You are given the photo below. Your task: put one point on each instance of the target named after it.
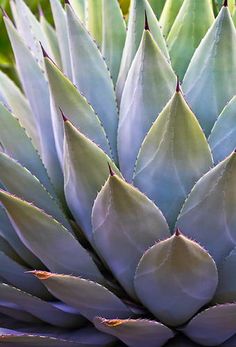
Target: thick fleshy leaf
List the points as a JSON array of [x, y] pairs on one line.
[[15, 178], [36, 90], [169, 279], [8, 233], [125, 224], [208, 215], [194, 19], [79, 6], [13, 312], [114, 33], [14, 338], [169, 14], [212, 326], [43, 310], [29, 29], [157, 6], [48, 239], [226, 290], [223, 136], [134, 36], [18, 104], [59, 17], [210, 80], [85, 171], [91, 76], [173, 156], [15, 274], [51, 38], [94, 19], [136, 333], [90, 298], [17, 145], [67, 98], [150, 84]]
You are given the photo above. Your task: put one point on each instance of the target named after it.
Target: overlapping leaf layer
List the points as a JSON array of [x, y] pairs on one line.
[[118, 178]]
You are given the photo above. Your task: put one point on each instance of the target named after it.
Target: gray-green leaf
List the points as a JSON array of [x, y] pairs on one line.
[[125, 224], [170, 276]]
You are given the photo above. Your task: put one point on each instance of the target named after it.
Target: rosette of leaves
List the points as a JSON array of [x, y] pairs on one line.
[[118, 182]]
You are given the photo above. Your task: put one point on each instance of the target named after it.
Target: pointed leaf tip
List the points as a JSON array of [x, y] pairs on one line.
[[65, 119], [225, 3], [177, 85], [146, 25], [4, 13], [44, 52], [67, 2], [177, 232], [112, 173]]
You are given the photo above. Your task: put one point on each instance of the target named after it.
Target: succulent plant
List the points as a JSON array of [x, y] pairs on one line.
[[118, 179]]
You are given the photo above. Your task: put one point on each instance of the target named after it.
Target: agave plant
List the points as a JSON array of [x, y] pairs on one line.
[[118, 180]]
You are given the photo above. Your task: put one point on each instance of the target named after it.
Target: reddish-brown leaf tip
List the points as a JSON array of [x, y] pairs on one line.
[[4, 12], [44, 52], [112, 173], [67, 2], [177, 85], [65, 119], [146, 26], [225, 3], [177, 232]]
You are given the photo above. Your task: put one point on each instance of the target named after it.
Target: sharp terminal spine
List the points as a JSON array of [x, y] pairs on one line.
[[110, 170], [146, 26]]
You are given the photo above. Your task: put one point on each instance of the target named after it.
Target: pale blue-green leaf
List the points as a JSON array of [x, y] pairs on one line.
[[190, 26], [208, 215], [15, 274], [87, 336], [149, 86], [212, 326], [48, 239], [94, 19], [8, 233], [85, 172], [15, 178], [92, 78], [8, 250], [51, 38], [114, 33], [226, 290], [79, 6], [29, 29], [16, 339], [168, 15], [210, 80], [90, 298], [125, 224], [19, 105], [66, 98], [222, 139], [173, 156], [15, 143], [59, 17], [133, 38], [45, 311], [13, 312], [170, 276], [37, 92], [135, 333]]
